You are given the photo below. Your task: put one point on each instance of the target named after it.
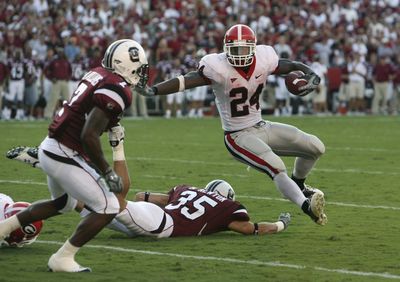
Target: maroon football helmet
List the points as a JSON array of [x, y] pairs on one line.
[[24, 235], [240, 45]]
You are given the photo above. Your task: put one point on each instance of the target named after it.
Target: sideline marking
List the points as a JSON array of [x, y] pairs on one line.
[[231, 260]]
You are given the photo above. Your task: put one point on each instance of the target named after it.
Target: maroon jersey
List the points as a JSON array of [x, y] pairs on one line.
[[17, 69], [59, 69], [98, 88], [197, 212]]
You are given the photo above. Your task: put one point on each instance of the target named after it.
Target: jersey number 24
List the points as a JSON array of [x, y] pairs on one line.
[[239, 106]]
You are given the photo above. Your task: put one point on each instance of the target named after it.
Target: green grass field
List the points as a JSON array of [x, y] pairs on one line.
[[359, 174]]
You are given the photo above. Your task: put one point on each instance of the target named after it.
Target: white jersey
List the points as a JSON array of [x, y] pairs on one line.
[[5, 201], [237, 93]]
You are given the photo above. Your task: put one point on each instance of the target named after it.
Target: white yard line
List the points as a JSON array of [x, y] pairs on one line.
[[235, 163], [234, 261], [195, 144], [328, 203], [27, 182]]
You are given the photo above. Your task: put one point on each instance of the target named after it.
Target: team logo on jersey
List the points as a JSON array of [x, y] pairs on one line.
[[110, 106], [257, 76], [233, 80], [134, 54]]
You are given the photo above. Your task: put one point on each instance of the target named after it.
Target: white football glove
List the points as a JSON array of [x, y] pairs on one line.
[[313, 82], [285, 218], [114, 181], [116, 135]]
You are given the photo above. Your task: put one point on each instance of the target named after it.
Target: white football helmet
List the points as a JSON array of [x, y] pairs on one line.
[[127, 58], [240, 45], [26, 234], [221, 187]]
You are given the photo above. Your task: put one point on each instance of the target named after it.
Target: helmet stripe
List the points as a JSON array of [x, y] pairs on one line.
[[212, 187], [240, 32], [110, 54]]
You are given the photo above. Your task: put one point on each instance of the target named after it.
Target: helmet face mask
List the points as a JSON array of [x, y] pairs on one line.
[[127, 58], [240, 45]]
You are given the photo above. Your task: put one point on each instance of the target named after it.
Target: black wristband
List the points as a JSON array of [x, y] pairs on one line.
[[146, 196], [155, 89], [255, 232]]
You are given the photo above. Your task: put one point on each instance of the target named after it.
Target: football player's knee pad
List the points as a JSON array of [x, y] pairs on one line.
[[318, 148], [65, 203]]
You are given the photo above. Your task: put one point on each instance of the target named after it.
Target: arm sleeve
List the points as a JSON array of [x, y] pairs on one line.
[[267, 56], [240, 214]]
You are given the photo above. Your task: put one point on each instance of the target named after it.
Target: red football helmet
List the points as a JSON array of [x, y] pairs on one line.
[[24, 235], [240, 45]]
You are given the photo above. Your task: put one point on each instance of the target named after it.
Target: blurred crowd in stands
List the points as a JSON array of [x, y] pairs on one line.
[[354, 45]]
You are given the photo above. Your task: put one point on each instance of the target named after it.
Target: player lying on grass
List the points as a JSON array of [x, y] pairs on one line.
[[24, 235], [184, 211]]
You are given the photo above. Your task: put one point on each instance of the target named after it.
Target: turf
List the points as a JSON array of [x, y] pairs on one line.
[[359, 174]]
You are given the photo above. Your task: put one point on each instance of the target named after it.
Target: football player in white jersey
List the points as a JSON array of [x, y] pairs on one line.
[[237, 77]]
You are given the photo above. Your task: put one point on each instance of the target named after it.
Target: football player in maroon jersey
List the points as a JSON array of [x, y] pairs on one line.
[[72, 157], [191, 211], [184, 211], [16, 86]]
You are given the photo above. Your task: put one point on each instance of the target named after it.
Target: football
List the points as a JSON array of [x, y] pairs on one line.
[[294, 81]]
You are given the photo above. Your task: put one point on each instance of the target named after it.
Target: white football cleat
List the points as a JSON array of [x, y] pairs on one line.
[[28, 155], [65, 264], [308, 191], [317, 205], [116, 135]]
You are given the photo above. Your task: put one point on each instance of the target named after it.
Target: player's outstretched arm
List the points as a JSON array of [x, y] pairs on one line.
[[261, 228], [177, 84], [156, 198]]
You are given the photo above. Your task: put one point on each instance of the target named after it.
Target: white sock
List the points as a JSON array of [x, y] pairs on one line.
[[6, 113], [67, 250], [84, 212], [20, 114], [289, 188], [302, 167], [9, 225]]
